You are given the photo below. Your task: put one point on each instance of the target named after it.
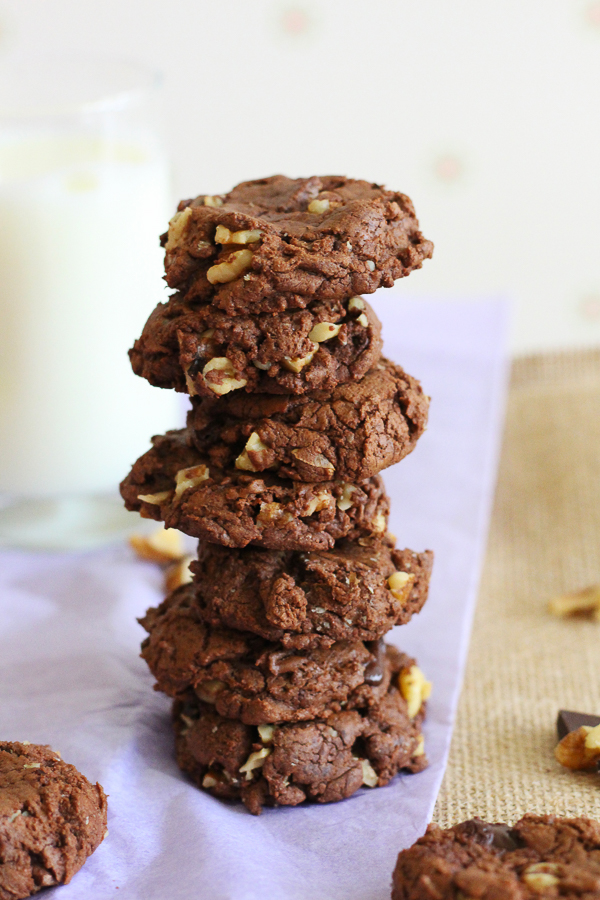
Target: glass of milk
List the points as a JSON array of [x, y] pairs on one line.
[[84, 195]]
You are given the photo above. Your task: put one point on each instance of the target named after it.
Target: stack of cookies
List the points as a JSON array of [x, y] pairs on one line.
[[283, 688]]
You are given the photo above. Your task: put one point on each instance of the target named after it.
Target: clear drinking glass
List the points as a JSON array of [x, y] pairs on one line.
[[84, 195]]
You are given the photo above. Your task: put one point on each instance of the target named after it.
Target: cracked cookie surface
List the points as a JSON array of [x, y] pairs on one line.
[[202, 351], [51, 819], [538, 856], [353, 592], [323, 760], [174, 483], [251, 679], [280, 243], [351, 433]]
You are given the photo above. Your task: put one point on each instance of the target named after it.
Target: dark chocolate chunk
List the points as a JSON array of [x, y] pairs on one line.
[[497, 836], [568, 721]]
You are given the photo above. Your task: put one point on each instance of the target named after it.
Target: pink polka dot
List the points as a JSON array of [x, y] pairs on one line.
[[295, 21], [592, 14], [589, 307], [448, 167]]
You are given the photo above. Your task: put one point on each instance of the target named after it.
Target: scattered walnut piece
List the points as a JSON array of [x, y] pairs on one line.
[[400, 585], [155, 499], [541, 876], [370, 776], [315, 461], [189, 478], [225, 380], [344, 501], [580, 749], [207, 691], [379, 523], [272, 512], [415, 689], [324, 331], [356, 303], [577, 603], [256, 760], [213, 201], [179, 573], [253, 445], [225, 236], [298, 363], [318, 207], [266, 733], [162, 546], [231, 267], [177, 226], [320, 501]]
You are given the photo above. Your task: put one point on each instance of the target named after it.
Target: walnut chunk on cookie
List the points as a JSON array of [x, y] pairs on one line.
[[280, 243]]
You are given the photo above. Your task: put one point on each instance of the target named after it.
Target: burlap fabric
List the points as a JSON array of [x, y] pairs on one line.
[[523, 664]]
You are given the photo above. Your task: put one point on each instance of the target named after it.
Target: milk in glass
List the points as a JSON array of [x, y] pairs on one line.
[[80, 271]]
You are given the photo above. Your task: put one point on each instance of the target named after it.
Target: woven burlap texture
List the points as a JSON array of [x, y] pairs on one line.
[[523, 664]]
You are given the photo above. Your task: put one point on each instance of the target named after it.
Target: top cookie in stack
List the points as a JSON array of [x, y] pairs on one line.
[[293, 415]]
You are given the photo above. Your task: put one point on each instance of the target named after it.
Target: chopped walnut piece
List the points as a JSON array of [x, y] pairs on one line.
[[541, 876], [324, 331], [162, 546], [225, 236], [177, 226], [400, 585], [318, 207], [370, 776], [210, 780], [580, 749], [583, 602], [362, 320], [225, 380], [344, 501], [155, 499], [179, 573], [356, 303], [256, 760], [266, 733], [213, 201], [190, 477], [253, 445], [415, 689], [272, 512], [208, 690], [298, 363], [379, 523], [230, 268], [315, 461], [320, 501]]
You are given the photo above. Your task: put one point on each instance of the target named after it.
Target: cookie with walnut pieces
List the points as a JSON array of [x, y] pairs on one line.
[[538, 856], [323, 760], [357, 591], [281, 243], [174, 483], [201, 350], [51, 819], [351, 433]]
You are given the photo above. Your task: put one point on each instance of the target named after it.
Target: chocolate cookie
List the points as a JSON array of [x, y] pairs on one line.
[[350, 434], [249, 678], [324, 760], [203, 351], [279, 243], [539, 855], [51, 819], [353, 592], [172, 482]]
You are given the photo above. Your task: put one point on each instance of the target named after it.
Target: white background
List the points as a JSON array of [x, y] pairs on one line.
[[486, 113]]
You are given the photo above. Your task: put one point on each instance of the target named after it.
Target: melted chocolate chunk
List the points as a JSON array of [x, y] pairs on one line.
[[497, 836], [374, 669], [568, 721]]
